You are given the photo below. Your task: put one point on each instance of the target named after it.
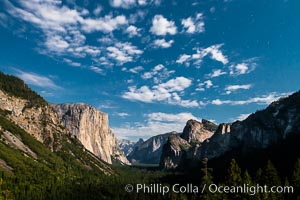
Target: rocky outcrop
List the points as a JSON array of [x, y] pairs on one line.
[[173, 152], [197, 132], [149, 152], [90, 126], [177, 147], [127, 146], [41, 122], [10, 139]]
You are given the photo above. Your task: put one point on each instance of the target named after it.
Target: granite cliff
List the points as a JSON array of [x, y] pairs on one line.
[[90, 126], [177, 146]]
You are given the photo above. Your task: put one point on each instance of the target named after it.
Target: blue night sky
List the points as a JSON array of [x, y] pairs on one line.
[[154, 64]]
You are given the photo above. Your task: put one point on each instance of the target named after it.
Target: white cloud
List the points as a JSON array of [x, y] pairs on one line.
[[126, 4], [189, 25], [123, 52], [167, 117], [106, 40], [239, 69], [97, 70], [45, 14], [183, 58], [136, 70], [158, 68], [145, 131], [143, 94], [72, 63], [132, 31], [83, 51], [156, 123], [161, 26], [216, 53], [130, 81], [245, 67], [230, 88], [159, 73], [142, 2], [146, 2], [62, 29], [37, 80], [242, 117], [108, 104], [105, 24], [206, 84], [123, 114], [97, 10], [265, 99], [56, 43], [219, 102], [177, 84], [122, 3], [163, 43], [193, 25], [213, 51], [165, 92], [148, 75], [47, 94], [104, 61], [216, 73]]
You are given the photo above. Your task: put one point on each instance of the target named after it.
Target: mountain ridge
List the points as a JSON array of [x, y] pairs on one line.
[[25, 114], [258, 131], [150, 150]]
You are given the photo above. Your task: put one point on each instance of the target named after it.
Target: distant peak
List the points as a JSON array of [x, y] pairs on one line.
[[140, 140]]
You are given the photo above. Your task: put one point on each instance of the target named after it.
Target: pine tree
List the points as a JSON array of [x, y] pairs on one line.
[[234, 178], [247, 180], [296, 179], [234, 174], [270, 178], [270, 175], [207, 179]]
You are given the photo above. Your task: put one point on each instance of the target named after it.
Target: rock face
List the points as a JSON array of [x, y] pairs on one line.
[[195, 131], [258, 131], [149, 152], [90, 126], [173, 152], [177, 147], [127, 146], [41, 122]]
